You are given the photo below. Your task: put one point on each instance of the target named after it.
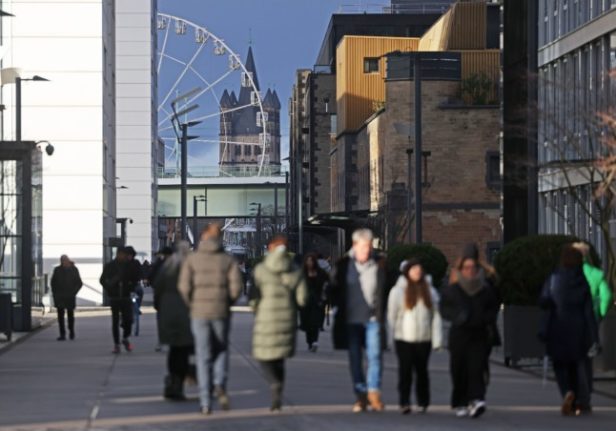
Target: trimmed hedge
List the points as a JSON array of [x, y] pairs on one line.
[[524, 264], [431, 258]]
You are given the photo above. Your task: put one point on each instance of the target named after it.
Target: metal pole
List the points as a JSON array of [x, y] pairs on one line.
[[18, 109], [275, 208], [123, 231], [418, 152], [195, 241], [259, 246], [300, 206], [184, 174], [409, 192], [286, 198]]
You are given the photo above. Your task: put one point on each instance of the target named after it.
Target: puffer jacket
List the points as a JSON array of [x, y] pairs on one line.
[[279, 289], [210, 281], [418, 325]]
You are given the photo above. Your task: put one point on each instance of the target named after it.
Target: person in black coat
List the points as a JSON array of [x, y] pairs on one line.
[[119, 280], [570, 330], [312, 315], [65, 284], [471, 304]]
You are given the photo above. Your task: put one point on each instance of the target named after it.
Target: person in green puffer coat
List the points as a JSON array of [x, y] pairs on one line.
[[278, 290], [599, 288]]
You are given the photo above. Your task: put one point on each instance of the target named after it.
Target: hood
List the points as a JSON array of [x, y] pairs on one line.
[[210, 246], [278, 261]]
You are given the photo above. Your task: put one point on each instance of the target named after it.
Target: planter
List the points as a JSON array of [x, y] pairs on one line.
[[607, 360], [520, 327]]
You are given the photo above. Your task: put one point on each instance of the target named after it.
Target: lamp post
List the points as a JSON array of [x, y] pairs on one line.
[[200, 198], [18, 81], [258, 226]]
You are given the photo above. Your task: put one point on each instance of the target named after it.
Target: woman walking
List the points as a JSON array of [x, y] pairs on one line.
[[312, 315], [279, 289], [174, 323], [471, 304], [416, 326], [570, 331]]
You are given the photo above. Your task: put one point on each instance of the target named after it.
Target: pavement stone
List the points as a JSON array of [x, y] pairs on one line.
[[47, 385]]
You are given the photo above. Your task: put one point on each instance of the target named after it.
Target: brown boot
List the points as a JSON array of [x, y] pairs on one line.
[[361, 404], [374, 398]]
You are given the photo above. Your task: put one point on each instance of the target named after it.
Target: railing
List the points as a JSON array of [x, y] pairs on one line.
[[231, 171], [420, 8]]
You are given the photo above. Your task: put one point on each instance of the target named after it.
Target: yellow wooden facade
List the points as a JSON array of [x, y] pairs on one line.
[[463, 29]]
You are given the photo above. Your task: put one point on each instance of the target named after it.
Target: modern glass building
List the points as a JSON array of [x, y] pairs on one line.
[[576, 84]]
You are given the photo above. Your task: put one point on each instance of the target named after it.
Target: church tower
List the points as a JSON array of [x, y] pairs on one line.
[[241, 125]]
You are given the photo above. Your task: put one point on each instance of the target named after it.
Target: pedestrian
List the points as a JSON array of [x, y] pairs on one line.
[[174, 323], [416, 326], [119, 281], [279, 289], [137, 295], [358, 295], [471, 304], [570, 331], [210, 281], [65, 284], [312, 315], [146, 267], [161, 256]]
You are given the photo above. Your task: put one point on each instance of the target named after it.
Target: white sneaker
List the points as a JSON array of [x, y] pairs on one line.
[[477, 408], [314, 347], [461, 412]]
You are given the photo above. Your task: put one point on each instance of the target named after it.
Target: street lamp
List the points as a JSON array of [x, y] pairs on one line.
[[183, 138], [18, 81], [258, 226], [200, 198], [122, 222]]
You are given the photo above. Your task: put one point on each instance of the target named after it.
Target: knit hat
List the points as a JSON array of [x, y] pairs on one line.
[[408, 264]]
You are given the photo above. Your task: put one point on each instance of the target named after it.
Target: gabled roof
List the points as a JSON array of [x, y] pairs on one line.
[[225, 100], [267, 100], [251, 68]]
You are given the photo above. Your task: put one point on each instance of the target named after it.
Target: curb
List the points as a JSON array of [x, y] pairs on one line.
[[5, 347]]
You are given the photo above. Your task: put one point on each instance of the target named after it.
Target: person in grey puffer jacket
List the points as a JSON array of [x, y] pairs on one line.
[[210, 281], [416, 326], [279, 289]]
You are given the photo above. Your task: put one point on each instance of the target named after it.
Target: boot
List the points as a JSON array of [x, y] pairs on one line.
[[361, 404], [174, 388], [276, 398], [374, 398]]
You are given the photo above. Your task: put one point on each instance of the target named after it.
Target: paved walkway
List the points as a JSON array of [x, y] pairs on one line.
[[47, 385]]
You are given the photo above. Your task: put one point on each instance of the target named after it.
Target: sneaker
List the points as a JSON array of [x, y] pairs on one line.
[[423, 409], [461, 412], [127, 345], [61, 338], [116, 349], [314, 348], [405, 410], [361, 405], [206, 411], [477, 408], [223, 398], [567, 409], [583, 410]]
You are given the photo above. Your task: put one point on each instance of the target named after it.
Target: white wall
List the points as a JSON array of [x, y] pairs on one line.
[[66, 42], [137, 121]]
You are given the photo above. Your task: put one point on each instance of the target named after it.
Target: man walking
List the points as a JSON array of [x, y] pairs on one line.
[[119, 280], [358, 295], [210, 281], [65, 284]]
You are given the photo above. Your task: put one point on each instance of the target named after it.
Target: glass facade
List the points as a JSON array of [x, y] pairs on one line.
[[11, 228]]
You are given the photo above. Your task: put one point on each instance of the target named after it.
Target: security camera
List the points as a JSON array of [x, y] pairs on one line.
[[49, 149]]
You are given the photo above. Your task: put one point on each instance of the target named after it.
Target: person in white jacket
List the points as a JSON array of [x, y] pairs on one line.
[[416, 327]]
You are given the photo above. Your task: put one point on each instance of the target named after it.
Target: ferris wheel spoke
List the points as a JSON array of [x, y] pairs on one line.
[[177, 81], [160, 58]]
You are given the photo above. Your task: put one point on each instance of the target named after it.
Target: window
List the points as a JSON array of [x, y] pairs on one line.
[[493, 170], [238, 150], [246, 79], [371, 65], [248, 150], [257, 150]]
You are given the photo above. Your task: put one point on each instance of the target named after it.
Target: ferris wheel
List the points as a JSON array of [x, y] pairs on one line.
[[194, 68]]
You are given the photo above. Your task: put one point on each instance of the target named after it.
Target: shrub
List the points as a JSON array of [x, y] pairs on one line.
[[431, 258], [524, 264]]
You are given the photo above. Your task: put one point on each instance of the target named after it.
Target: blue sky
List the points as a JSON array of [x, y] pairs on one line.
[[286, 35]]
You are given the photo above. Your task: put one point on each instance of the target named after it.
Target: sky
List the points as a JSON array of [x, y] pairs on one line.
[[286, 35]]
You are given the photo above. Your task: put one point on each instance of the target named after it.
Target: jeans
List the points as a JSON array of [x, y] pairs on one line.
[[211, 348], [413, 359], [123, 307], [368, 335], [71, 320]]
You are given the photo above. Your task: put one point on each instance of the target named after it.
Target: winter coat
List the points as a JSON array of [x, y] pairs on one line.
[[570, 328], [471, 314], [312, 315], [119, 279], [173, 314], [65, 284], [599, 289], [418, 325], [279, 289], [338, 299], [210, 281]]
